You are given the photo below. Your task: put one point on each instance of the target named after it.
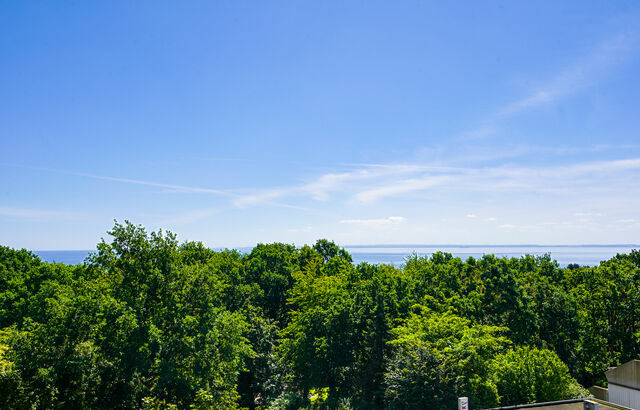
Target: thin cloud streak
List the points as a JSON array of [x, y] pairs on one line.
[[583, 74], [369, 184], [372, 183], [580, 75], [401, 187], [174, 188], [321, 188], [239, 200], [36, 213], [170, 187], [375, 182], [376, 222]]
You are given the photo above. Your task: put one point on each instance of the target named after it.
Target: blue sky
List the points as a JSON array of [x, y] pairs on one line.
[[369, 122]]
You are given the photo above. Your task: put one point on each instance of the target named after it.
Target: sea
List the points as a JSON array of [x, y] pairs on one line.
[[586, 255]]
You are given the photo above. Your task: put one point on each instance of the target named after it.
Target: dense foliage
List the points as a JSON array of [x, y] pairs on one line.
[[147, 322]]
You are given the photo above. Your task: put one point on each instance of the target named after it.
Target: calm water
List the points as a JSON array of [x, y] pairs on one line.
[[68, 257], [395, 255], [582, 255]]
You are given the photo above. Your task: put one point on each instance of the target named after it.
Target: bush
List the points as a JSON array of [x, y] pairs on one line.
[[526, 375]]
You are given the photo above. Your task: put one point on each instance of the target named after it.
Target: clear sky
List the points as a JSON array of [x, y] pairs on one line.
[[365, 122]]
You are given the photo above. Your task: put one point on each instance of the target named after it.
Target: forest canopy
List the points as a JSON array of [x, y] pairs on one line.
[[149, 322]]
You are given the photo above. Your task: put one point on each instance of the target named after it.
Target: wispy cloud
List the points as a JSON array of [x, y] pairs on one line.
[[481, 154], [321, 187], [175, 188], [628, 221], [367, 184], [168, 187], [604, 58], [578, 76], [298, 230], [371, 183], [261, 197], [326, 185], [523, 227], [400, 187], [239, 200], [375, 223], [586, 214], [36, 213]]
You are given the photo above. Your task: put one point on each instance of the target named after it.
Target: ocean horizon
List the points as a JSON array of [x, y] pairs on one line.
[[589, 255]]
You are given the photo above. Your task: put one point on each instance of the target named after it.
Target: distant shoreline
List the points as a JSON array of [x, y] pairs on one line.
[[564, 255], [413, 245], [615, 245]]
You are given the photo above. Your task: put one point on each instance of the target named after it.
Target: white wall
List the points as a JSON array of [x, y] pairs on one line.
[[624, 396]]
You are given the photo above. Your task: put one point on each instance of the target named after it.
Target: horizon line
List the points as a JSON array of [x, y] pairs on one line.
[[622, 245]]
